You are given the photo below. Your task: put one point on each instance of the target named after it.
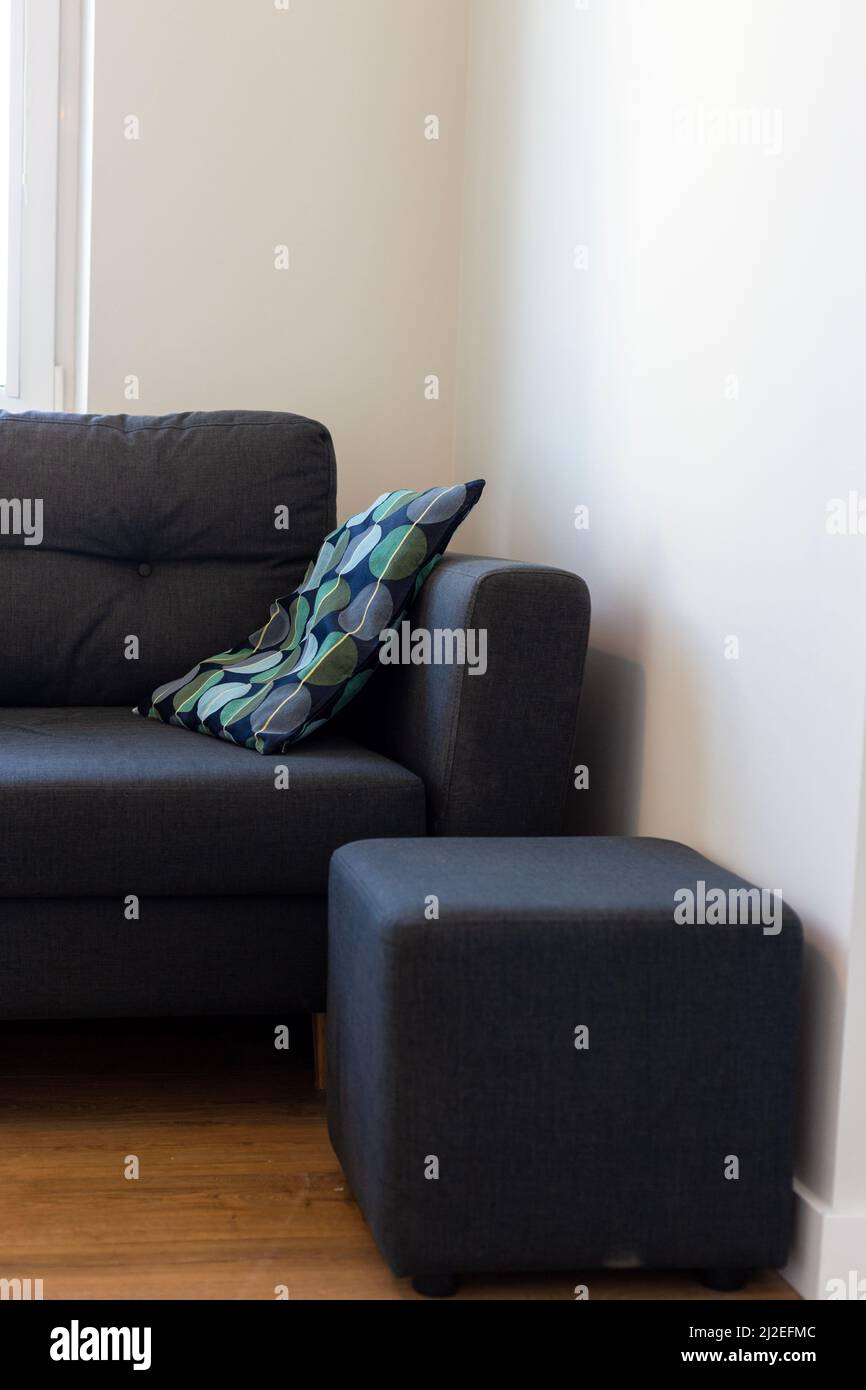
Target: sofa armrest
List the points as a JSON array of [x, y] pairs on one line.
[[493, 749]]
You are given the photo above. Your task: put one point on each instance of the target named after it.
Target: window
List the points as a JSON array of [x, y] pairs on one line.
[[6, 46], [31, 218]]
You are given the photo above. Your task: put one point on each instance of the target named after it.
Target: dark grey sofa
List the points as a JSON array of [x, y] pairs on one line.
[[159, 547]]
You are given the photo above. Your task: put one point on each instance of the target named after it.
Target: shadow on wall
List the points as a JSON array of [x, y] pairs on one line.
[[610, 733], [822, 1026]]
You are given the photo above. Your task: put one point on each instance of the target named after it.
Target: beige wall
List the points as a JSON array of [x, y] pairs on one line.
[[694, 378], [304, 127]]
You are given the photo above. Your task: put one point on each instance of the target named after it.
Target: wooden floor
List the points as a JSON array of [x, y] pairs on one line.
[[239, 1190]]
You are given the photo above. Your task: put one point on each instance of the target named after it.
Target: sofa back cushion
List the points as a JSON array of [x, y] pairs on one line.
[[130, 544]]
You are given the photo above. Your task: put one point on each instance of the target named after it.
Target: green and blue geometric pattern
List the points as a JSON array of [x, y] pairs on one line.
[[320, 645]]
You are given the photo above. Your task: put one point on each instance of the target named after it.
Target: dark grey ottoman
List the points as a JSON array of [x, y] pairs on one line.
[[535, 1062]]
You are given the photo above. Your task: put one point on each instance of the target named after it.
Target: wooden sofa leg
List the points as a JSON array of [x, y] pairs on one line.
[[320, 1051]]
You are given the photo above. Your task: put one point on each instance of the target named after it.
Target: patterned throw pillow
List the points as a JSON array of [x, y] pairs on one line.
[[321, 644]]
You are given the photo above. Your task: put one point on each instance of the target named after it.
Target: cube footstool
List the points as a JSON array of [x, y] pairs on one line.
[[561, 1054]]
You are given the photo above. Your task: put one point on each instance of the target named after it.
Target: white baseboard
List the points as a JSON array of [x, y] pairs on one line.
[[828, 1254]]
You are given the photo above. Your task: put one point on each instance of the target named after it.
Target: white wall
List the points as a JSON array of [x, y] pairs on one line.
[[305, 127], [699, 387]]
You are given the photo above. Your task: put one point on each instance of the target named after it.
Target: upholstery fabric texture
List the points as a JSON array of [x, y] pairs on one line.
[[320, 645], [80, 957], [455, 1038], [95, 802], [164, 530], [481, 744]]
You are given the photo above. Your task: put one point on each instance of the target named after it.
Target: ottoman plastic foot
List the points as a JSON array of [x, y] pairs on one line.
[[724, 1280], [436, 1285]]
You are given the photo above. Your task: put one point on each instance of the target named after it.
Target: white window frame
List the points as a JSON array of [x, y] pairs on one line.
[[45, 162], [15, 204]]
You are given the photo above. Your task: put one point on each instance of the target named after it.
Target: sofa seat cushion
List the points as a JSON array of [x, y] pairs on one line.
[[97, 802]]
